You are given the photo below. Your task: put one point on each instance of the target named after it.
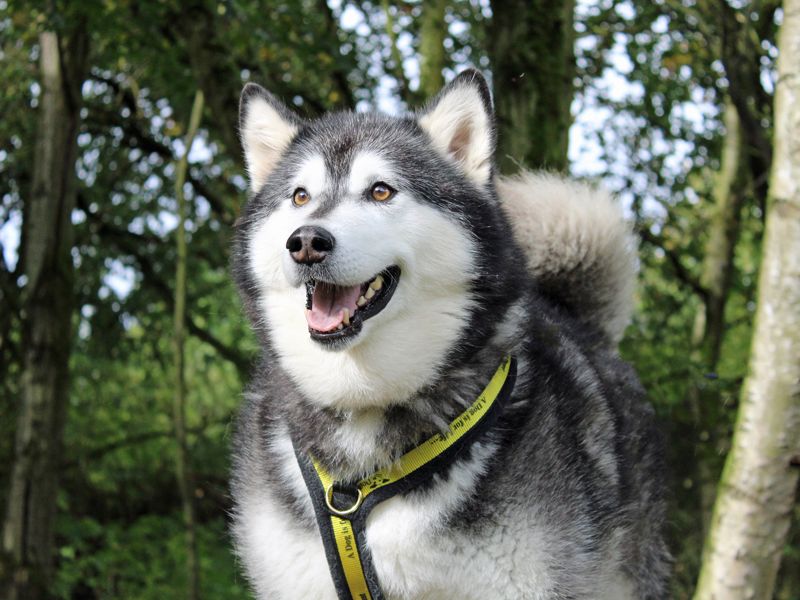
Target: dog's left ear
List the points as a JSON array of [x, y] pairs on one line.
[[266, 127], [460, 122]]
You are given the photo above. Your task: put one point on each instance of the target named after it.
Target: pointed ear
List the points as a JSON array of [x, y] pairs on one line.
[[266, 127], [460, 122]]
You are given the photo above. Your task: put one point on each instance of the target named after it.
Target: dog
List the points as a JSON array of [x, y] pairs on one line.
[[387, 272]]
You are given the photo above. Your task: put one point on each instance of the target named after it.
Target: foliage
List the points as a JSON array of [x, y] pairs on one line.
[[143, 559], [652, 78]]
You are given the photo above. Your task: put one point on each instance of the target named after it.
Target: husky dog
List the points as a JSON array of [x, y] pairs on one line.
[[387, 272]]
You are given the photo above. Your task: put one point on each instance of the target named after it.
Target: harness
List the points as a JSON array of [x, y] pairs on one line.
[[342, 508]]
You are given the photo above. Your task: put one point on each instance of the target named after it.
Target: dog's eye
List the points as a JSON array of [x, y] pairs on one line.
[[381, 192], [300, 197]]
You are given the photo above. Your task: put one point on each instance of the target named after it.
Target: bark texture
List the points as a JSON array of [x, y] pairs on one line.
[[47, 308], [431, 47], [213, 67], [533, 65], [757, 491], [739, 53], [395, 65], [729, 196], [183, 469], [715, 280]]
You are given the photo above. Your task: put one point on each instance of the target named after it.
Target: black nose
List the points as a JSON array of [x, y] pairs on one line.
[[309, 245]]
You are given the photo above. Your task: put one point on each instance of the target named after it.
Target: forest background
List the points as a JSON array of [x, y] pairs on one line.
[[121, 373]]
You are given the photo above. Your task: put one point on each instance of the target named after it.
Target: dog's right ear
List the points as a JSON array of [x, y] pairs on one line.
[[266, 127], [460, 123]]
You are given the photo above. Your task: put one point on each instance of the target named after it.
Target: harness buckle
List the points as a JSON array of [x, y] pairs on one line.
[[343, 512]]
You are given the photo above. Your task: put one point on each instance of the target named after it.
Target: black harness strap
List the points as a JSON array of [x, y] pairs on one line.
[[343, 531]]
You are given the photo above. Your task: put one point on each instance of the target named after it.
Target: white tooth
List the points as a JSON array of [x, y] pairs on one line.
[[377, 283], [361, 301], [340, 327], [370, 293], [346, 319]]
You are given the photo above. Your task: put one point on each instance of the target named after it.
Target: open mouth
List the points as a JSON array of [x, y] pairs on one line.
[[335, 311]]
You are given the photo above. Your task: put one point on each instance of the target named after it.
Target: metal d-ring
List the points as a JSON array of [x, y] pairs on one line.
[[347, 511]]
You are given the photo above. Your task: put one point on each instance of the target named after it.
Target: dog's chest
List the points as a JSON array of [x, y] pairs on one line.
[[418, 554], [418, 550], [415, 555]]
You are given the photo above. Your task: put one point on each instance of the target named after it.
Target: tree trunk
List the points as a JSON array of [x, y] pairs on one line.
[[533, 65], [788, 585], [729, 196], [739, 54], [214, 68], [395, 67], [183, 470], [431, 47], [47, 308], [756, 493], [715, 278]]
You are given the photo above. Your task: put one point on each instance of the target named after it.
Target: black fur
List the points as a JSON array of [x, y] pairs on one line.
[[578, 440]]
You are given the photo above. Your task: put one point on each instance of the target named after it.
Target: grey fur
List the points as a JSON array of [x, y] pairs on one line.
[[575, 452], [579, 248]]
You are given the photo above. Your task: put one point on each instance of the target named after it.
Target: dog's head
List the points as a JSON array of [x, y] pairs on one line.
[[372, 248]]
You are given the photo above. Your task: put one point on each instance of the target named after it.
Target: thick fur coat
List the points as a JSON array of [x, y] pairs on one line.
[[563, 498]]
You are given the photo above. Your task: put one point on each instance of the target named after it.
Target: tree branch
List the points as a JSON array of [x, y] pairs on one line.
[[124, 94], [130, 244], [680, 270], [9, 295], [136, 137], [738, 53], [135, 439], [691, 16]]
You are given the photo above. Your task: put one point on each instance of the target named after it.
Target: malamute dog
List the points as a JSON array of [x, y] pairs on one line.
[[439, 410]]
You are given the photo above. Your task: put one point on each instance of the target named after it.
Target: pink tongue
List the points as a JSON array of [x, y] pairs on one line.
[[328, 304]]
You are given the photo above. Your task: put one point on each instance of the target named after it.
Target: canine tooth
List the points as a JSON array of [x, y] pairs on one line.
[[370, 293], [377, 283], [340, 327], [346, 319], [361, 301]]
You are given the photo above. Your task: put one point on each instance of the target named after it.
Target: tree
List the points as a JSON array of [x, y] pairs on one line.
[[728, 194], [533, 65], [756, 493], [144, 68], [183, 466], [431, 47], [47, 308], [667, 148]]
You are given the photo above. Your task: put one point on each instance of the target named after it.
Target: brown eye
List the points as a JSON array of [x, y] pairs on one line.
[[381, 192], [300, 197]]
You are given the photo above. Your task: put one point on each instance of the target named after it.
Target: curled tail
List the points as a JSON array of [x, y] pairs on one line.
[[578, 245]]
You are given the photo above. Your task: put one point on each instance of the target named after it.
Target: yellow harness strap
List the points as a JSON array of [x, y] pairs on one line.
[[344, 523], [348, 555]]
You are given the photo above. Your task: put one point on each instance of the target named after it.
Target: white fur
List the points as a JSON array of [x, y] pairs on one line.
[[416, 556], [401, 348], [358, 436], [569, 227], [460, 129], [265, 135], [367, 169], [269, 259], [269, 544], [313, 176]]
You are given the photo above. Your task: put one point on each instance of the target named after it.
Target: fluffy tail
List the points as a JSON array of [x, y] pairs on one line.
[[578, 245]]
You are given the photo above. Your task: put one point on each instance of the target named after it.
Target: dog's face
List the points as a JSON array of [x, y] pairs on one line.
[[358, 250]]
